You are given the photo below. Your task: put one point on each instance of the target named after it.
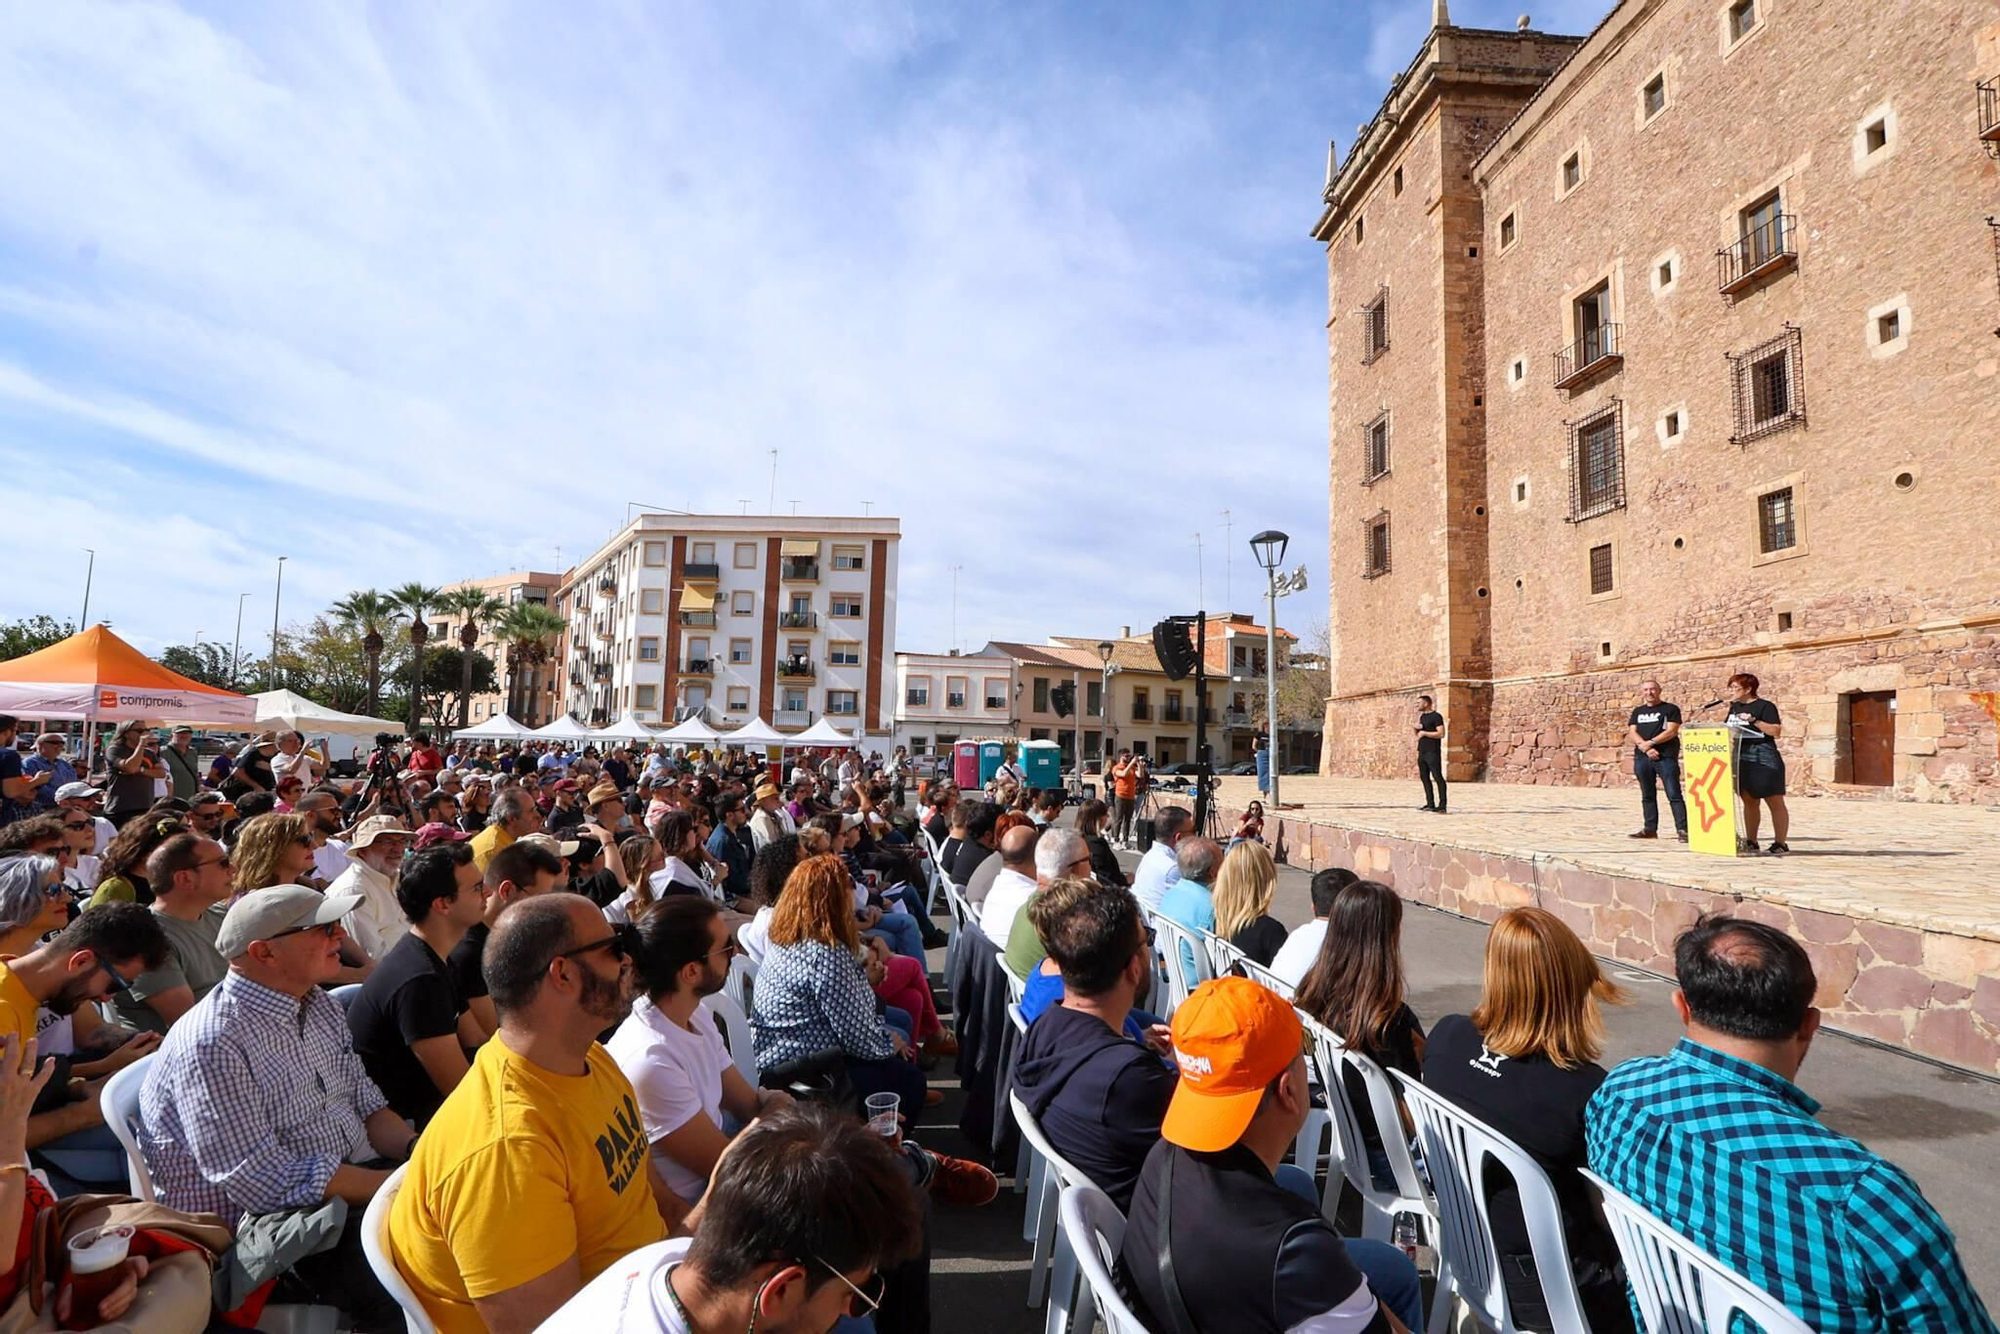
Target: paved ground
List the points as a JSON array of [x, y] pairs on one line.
[[1941, 1125]]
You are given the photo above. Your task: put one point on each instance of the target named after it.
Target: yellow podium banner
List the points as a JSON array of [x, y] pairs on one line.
[[1708, 780]]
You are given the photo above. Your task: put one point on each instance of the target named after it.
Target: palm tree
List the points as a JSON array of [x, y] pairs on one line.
[[477, 609], [371, 612], [531, 631], [416, 601]]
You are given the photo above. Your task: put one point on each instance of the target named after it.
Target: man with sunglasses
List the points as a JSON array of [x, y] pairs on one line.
[[190, 876], [256, 1104], [544, 1128]]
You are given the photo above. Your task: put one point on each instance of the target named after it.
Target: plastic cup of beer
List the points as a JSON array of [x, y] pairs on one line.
[[96, 1267], [882, 1110]]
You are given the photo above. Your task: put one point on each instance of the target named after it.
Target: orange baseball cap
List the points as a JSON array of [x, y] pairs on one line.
[[1232, 1037]]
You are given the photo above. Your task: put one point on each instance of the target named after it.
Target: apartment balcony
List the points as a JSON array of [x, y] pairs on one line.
[[1172, 716], [607, 585], [599, 717], [1764, 250], [797, 668], [1598, 352], [603, 627], [698, 667], [1142, 713], [796, 620], [798, 570], [700, 571], [683, 712], [700, 619], [792, 718], [1235, 718], [600, 673], [1989, 113]]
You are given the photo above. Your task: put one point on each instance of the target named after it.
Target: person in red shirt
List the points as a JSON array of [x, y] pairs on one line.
[[425, 758]]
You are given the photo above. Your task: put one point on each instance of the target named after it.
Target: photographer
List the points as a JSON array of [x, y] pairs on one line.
[[253, 769], [135, 769]]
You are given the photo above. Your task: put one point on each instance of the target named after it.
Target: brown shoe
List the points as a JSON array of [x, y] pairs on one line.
[[1645, 833], [932, 1097], [960, 1181], [944, 1044]]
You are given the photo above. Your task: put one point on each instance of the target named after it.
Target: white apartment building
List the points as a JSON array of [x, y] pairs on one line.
[[942, 698], [735, 617], [526, 691]]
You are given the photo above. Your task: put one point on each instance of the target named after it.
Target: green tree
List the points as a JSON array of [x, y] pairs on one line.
[[32, 634], [328, 661], [370, 614], [531, 632], [416, 601], [205, 661], [476, 609], [447, 672]]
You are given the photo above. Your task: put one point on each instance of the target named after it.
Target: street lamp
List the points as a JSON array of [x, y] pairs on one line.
[[1105, 648], [236, 649], [276, 598], [88, 571], [1269, 547]]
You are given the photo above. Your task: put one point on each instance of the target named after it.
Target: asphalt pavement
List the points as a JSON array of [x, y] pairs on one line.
[[1939, 1124]]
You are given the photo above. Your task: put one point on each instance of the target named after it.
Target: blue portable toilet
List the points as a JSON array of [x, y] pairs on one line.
[[1041, 764], [991, 755]]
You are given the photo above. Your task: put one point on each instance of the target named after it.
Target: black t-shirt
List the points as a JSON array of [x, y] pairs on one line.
[[618, 772], [1650, 720], [252, 770], [560, 821], [1756, 747], [966, 860], [1397, 1051], [408, 998], [133, 791], [1098, 1096], [10, 767], [1261, 939], [468, 975], [1430, 746], [1249, 1256]]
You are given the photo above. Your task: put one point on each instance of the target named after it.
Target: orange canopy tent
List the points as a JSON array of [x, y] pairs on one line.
[[96, 676]]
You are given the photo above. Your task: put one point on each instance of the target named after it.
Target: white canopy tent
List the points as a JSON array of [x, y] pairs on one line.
[[693, 731], [756, 732], [821, 733], [500, 727], [627, 728], [284, 708], [564, 728]]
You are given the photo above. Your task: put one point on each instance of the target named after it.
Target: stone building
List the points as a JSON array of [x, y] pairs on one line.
[[1670, 352]]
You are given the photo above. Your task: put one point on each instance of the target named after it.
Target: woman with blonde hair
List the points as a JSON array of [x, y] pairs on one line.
[[1243, 902], [273, 849], [640, 855], [1525, 1062]]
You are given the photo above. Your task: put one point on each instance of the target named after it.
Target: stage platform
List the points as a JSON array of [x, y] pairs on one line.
[[1898, 902]]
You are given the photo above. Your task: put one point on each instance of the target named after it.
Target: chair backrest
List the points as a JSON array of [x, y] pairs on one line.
[[1032, 1130], [1017, 985], [1681, 1288], [346, 994], [120, 1104], [381, 1260], [742, 972], [1264, 977], [735, 1032], [1334, 1060], [1187, 958], [1223, 956], [1096, 1231], [1457, 1147]]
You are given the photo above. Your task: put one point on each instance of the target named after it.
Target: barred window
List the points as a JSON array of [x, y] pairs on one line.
[[1375, 327], [1596, 464], [1375, 449], [1769, 388], [1777, 521], [1375, 546], [1600, 569]]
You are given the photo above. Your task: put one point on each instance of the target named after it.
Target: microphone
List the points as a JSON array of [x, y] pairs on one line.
[[1712, 704]]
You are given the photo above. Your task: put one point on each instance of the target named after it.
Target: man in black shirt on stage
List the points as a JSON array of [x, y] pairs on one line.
[[1430, 753], [1654, 730]]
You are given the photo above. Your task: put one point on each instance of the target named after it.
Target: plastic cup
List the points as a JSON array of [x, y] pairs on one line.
[[882, 1109], [96, 1260]]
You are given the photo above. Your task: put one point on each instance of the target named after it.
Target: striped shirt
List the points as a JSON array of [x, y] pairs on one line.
[[255, 1098], [1728, 1154]]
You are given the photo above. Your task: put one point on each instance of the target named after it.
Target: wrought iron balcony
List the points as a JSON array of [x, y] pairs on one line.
[[698, 667], [604, 627], [797, 667], [600, 672], [792, 718], [607, 585], [703, 619], [797, 620], [1142, 713], [1989, 113], [1235, 718], [1170, 714], [798, 569], [1763, 250], [1598, 351], [599, 717], [701, 570]]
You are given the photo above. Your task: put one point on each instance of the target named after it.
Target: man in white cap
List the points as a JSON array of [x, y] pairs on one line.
[[376, 921], [256, 1103]]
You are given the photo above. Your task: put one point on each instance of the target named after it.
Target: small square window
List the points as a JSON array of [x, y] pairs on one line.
[[1520, 493], [1666, 273], [746, 555], [1519, 370], [742, 603], [1742, 19], [1600, 569], [1360, 230], [1777, 522], [1572, 171], [1889, 327], [1656, 95], [1398, 186], [1673, 425], [1784, 621], [1876, 137], [651, 601], [1507, 231]]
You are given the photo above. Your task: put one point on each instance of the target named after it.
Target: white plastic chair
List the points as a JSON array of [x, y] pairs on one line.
[[1223, 956], [120, 1103], [1024, 1156], [1681, 1288], [1457, 1147], [1052, 1174], [346, 994], [1379, 1205], [1095, 1231], [1267, 979], [1181, 947], [742, 973], [375, 1245], [736, 1033]]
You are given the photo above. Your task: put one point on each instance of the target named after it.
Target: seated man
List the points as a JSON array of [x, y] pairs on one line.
[[409, 1023], [975, 842], [670, 1049], [1301, 947], [806, 1214], [377, 922], [518, 871], [1058, 853], [534, 1176], [1718, 1141], [1098, 1095], [1190, 901], [1277, 1264], [1012, 886], [190, 877], [257, 1104], [1160, 867]]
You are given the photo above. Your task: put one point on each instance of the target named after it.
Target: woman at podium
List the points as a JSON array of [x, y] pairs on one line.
[[1760, 769]]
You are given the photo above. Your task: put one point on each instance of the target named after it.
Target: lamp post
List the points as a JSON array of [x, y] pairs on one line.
[[1105, 648], [1270, 548], [88, 570], [236, 648], [276, 598]]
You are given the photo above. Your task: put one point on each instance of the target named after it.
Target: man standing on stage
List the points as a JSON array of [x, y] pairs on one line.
[[1654, 730], [1430, 752]]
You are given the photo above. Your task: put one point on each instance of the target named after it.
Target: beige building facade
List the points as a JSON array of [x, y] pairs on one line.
[[1704, 380], [531, 690]]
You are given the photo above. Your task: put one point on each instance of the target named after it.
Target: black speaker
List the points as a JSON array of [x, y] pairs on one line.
[[1175, 648], [1145, 831]]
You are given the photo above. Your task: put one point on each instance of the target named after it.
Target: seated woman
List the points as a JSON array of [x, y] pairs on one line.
[[1243, 902], [122, 869], [1091, 818], [812, 996], [1251, 826], [894, 927], [1539, 1010]]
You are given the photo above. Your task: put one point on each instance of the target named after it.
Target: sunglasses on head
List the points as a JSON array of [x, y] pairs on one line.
[[622, 943]]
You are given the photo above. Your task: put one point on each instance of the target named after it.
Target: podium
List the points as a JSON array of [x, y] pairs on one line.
[[1708, 785]]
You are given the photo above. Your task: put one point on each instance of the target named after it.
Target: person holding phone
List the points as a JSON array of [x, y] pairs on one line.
[[135, 770]]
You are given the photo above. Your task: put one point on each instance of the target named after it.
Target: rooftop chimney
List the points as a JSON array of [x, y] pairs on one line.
[[1125, 632], [1440, 14]]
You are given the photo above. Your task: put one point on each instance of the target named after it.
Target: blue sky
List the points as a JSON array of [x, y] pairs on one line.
[[431, 291]]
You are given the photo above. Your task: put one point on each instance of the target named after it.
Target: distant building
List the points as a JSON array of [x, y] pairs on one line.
[[945, 698], [529, 690], [735, 617]]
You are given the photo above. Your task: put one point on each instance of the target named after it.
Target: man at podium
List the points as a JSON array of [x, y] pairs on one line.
[[1654, 731]]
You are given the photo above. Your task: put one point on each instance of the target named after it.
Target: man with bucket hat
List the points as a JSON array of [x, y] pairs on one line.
[[1215, 1239]]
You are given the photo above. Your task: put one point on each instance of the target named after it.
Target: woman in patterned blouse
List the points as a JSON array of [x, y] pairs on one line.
[[812, 995]]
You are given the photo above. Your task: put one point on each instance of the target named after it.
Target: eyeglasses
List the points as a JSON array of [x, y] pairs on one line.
[[304, 840], [55, 889], [222, 861], [622, 943], [78, 824], [119, 985], [327, 929], [869, 1305]]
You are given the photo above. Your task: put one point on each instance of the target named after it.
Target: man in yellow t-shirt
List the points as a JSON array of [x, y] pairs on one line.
[[511, 816], [534, 1176]]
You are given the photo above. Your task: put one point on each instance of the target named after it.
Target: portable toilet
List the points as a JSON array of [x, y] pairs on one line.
[[991, 755], [1041, 764], [965, 764]]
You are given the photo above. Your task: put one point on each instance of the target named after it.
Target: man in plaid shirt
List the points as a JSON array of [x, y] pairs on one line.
[[1717, 1140]]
